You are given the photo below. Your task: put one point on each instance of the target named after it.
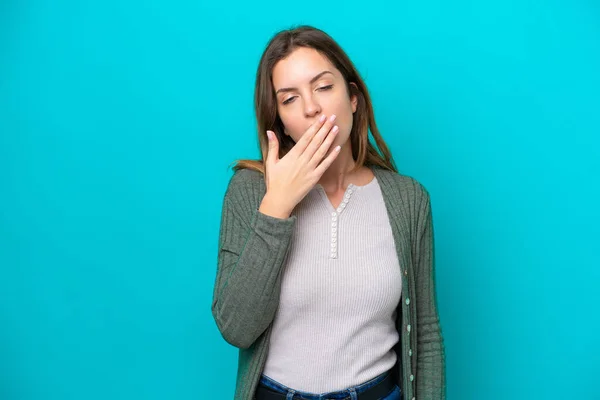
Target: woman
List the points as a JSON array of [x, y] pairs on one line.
[[326, 253]]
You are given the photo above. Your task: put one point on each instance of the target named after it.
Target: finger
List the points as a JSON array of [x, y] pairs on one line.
[[324, 147], [312, 130], [320, 170], [273, 151], [317, 139]]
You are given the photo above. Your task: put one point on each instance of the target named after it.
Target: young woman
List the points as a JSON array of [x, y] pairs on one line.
[[325, 278]]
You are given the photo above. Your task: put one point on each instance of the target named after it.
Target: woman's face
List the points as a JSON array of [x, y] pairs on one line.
[[307, 85]]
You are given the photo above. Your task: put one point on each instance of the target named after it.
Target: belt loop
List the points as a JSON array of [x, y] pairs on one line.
[[353, 395], [290, 394]]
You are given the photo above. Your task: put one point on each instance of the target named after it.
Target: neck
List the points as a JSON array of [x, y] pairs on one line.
[[337, 176]]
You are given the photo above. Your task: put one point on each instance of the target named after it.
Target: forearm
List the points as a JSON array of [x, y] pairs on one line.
[[431, 382], [247, 290]]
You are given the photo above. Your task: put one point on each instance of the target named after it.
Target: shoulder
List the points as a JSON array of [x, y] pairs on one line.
[[245, 176], [245, 184], [406, 187], [406, 197]]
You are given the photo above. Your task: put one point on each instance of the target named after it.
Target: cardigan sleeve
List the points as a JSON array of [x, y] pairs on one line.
[[430, 383], [252, 249]]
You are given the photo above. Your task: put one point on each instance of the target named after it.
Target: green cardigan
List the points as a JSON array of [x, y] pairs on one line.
[[253, 248]]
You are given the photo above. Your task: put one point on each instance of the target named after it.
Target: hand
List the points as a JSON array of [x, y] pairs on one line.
[[289, 179]]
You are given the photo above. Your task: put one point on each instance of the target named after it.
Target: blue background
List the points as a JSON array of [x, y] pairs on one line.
[[118, 120]]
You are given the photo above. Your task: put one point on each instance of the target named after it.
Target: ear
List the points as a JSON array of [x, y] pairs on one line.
[[353, 97]]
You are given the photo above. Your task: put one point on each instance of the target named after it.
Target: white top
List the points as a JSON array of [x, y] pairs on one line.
[[341, 284]]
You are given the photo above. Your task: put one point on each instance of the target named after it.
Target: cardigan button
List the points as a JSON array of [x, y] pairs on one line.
[[407, 301], [408, 328], [412, 378], [410, 352]]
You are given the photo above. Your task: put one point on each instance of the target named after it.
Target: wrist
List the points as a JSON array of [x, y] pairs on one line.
[[272, 207]]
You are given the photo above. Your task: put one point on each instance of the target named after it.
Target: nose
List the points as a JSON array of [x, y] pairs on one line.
[[311, 107]]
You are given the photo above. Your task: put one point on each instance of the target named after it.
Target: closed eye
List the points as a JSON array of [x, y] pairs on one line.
[[323, 88]]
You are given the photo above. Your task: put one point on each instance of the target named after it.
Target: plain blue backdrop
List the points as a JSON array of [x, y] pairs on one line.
[[118, 120]]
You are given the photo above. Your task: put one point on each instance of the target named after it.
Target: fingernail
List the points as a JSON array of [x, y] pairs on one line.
[[322, 118], [270, 135], [332, 118]]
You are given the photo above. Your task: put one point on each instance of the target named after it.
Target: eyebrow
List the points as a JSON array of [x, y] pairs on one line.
[[313, 80]]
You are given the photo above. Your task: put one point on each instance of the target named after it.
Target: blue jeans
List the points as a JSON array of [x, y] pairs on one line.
[[351, 392]]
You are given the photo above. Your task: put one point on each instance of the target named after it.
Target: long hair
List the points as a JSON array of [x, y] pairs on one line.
[[265, 101]]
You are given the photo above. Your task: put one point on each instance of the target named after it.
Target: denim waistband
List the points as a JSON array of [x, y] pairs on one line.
[[340, 394]]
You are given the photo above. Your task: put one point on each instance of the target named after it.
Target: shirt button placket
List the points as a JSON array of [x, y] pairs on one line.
[[334, 217], [334, 223]]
